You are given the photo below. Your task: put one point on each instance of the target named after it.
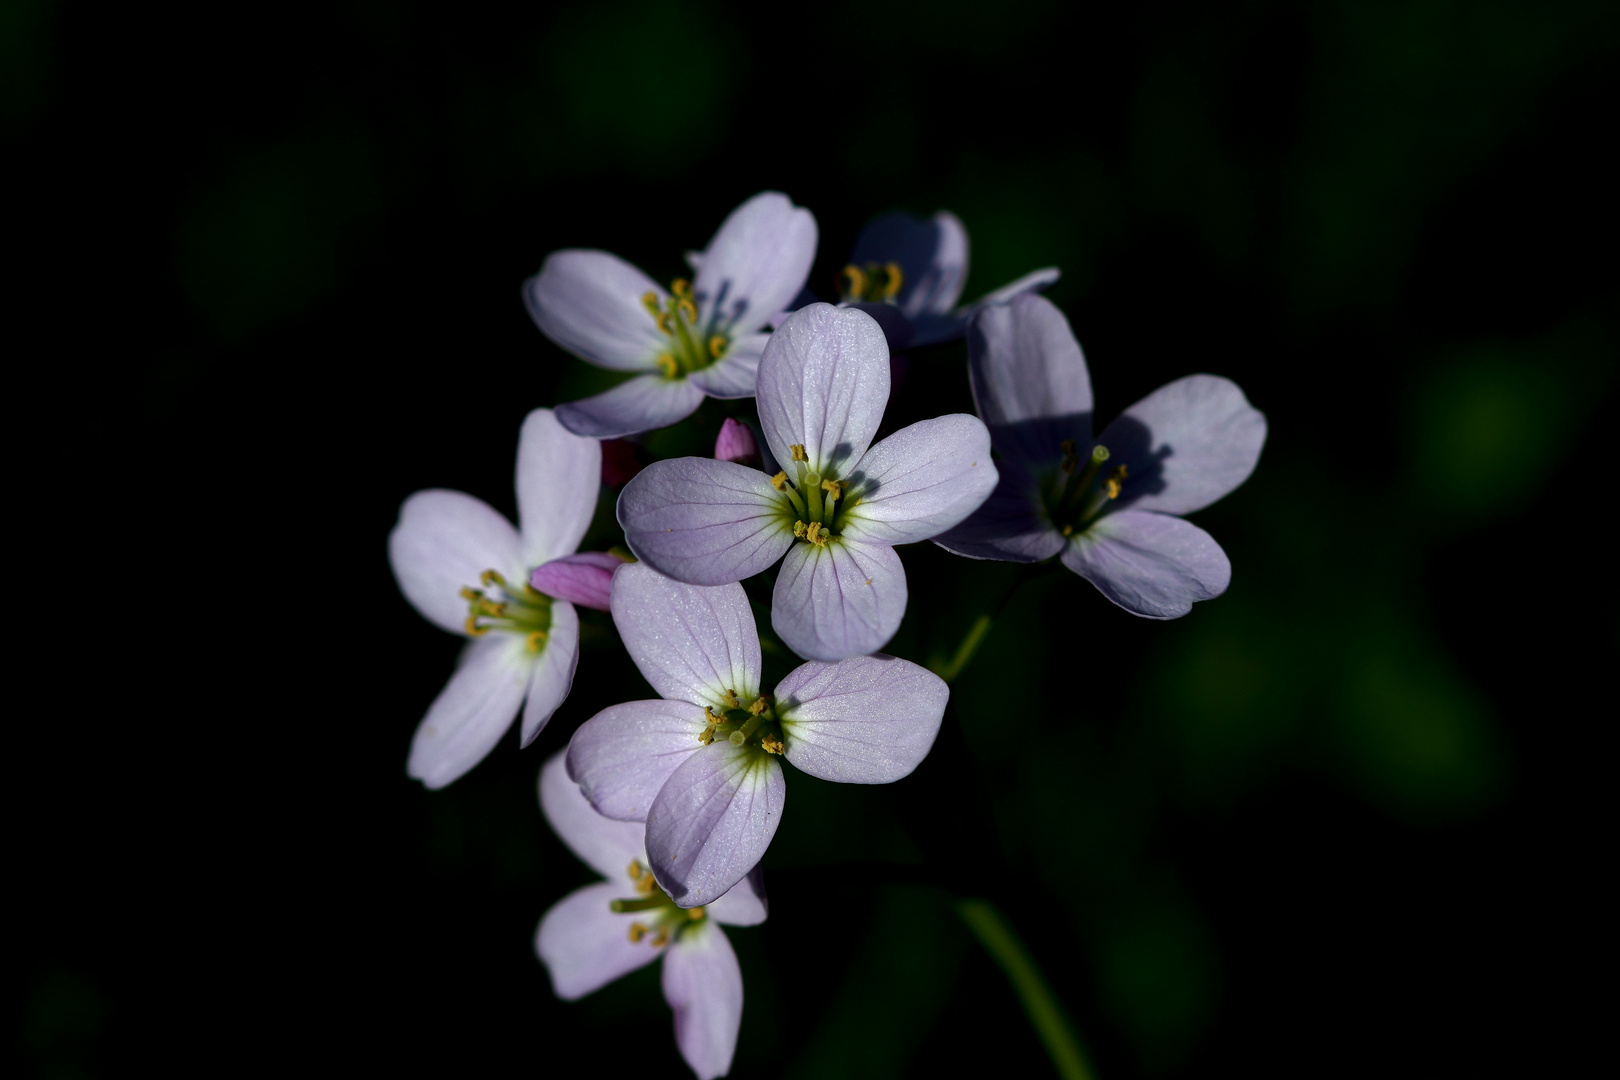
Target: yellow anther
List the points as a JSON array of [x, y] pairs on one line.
[[779, 481], [491, 577], [537, 641], [706, 736], [708, 714], [893, 279], [666, 365], [797, 450], [666, 322], [681, 287], [688, 309], [637, 932], [492, 609], [649, 300], [1111, 488], [833, 488], [759, 706], [852, 282], [635, 869], [772, 745], [798, 529], [661, 938], [1067, 530], [472, 627], [717, 346], [695, 914], [469, 593], [731, 700], [646, 882], [816, 534]]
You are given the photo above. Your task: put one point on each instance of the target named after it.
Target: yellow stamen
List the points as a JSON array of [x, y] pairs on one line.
[[706, 736], [473, 628], [797, 450], [637, 932], [681, 287], [695, 914], [851, 281], [666, 365], [661, 938], [635, 869], [779, 481], [1067, 530], [688, 309], [537, 641], [758, 707], [708, 714], [666, 323], [1111, 488], [772, 745], [798, 529], [730, 700], [893, 280], [646, 882], [491, 608], [469, 593], [717, 345], [649, 300], [833, 488], [491, 577], [816, 534]]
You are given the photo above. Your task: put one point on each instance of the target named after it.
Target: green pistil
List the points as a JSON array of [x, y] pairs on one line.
[[640, 903], [755, 725], [688, 349], [1080, 500]]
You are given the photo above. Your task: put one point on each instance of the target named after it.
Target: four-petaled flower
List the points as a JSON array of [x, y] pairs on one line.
[[598, 933], [466, 570], [839, 504], [701, 767], [915, 269], [698, 338], [1109, 505]]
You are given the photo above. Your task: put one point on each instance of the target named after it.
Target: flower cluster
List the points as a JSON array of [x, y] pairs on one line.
[[675, 799]]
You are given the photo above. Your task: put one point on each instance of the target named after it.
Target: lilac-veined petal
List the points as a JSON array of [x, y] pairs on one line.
[[622, 756], [823, 383], [552, 675], [1029, 379], [585, 945], [1010, 526], [744, 904], [844, 599], [1153, 565], [473, 710], [703, 985], [713, 819], [703, 521], [920, 481], [643, 403], [734, 374], [756, 263], [585, 578], [735, 442], [691, 642], [558, 476], [1186, 444], [590, 303], [865, 720], [932, 255], [443, 541], [605, 845]]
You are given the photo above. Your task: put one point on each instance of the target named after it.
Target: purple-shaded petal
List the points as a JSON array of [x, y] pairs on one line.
[[703, 985], [691, 642], [643, 403], [1150, 564], [1186, 444], [932, 254], [558, 477], [745, 904], [756, 263], [1029, 379], [865, 720], [844, 599], [734, 374], [443, 541], [473, 710], [703, 521], [823, 383], [898, 331], [623, 755], [713, 819], [585, 945], [605, 845], [585, 578], [589, 302], [1011, 525], [920, 481], [553, 673], [735, 442]]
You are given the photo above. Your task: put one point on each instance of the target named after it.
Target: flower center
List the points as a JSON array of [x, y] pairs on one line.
[[816, 504], [514, 610], [870, 282], [687, 347], [1075, 498], [755, 725], [663, 920]]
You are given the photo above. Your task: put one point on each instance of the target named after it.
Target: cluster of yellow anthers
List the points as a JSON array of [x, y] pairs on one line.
[[652, 898], [1080, 480], [522, 611], [871, 283], [677, 320], [759, 712], [815, 502]]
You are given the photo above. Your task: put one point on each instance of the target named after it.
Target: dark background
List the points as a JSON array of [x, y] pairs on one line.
[[264, 283]]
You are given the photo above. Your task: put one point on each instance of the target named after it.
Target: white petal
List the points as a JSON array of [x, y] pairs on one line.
[[553, 672], [605, 845], [692, 642], [866, 720], [823, 384], [473, 710], [735, 374], [844, 599], [920, 481], [644, 403], [622, 756], [756, 263], [590, 303], [443, 541], [703, 985], [558, 476], [744, 905], [713, 820], [585, 945]]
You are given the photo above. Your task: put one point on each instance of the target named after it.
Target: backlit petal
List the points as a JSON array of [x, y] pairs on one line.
[[756, 263], [1153, 565], [558, 477], [605, 845], [703, 985], [644, 403], [590, 303], [1029, 379], [844, 599], [691, 642], [704, 521], [866, 720], [823, 383], [920, 481], [932, 254], [585, 945], [443, 541], [473, 710], [734, 375], [552, 674], [713, 820], [622, 756]]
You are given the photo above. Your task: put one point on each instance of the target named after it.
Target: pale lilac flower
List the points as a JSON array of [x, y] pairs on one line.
[[697, 338], [838, 506], [597, 934], [917, 268], [1109, 506], [736, 443], [701, 766], [464, 568]]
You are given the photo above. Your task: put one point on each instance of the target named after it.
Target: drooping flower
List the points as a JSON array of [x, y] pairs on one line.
[[701, 766], [601, 932], [465, 568], [918, 267], [1110, 505], [698, 338], [839, 504]]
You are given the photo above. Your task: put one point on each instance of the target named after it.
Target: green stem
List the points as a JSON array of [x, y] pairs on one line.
[[1043, 1010], [965, 651]]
